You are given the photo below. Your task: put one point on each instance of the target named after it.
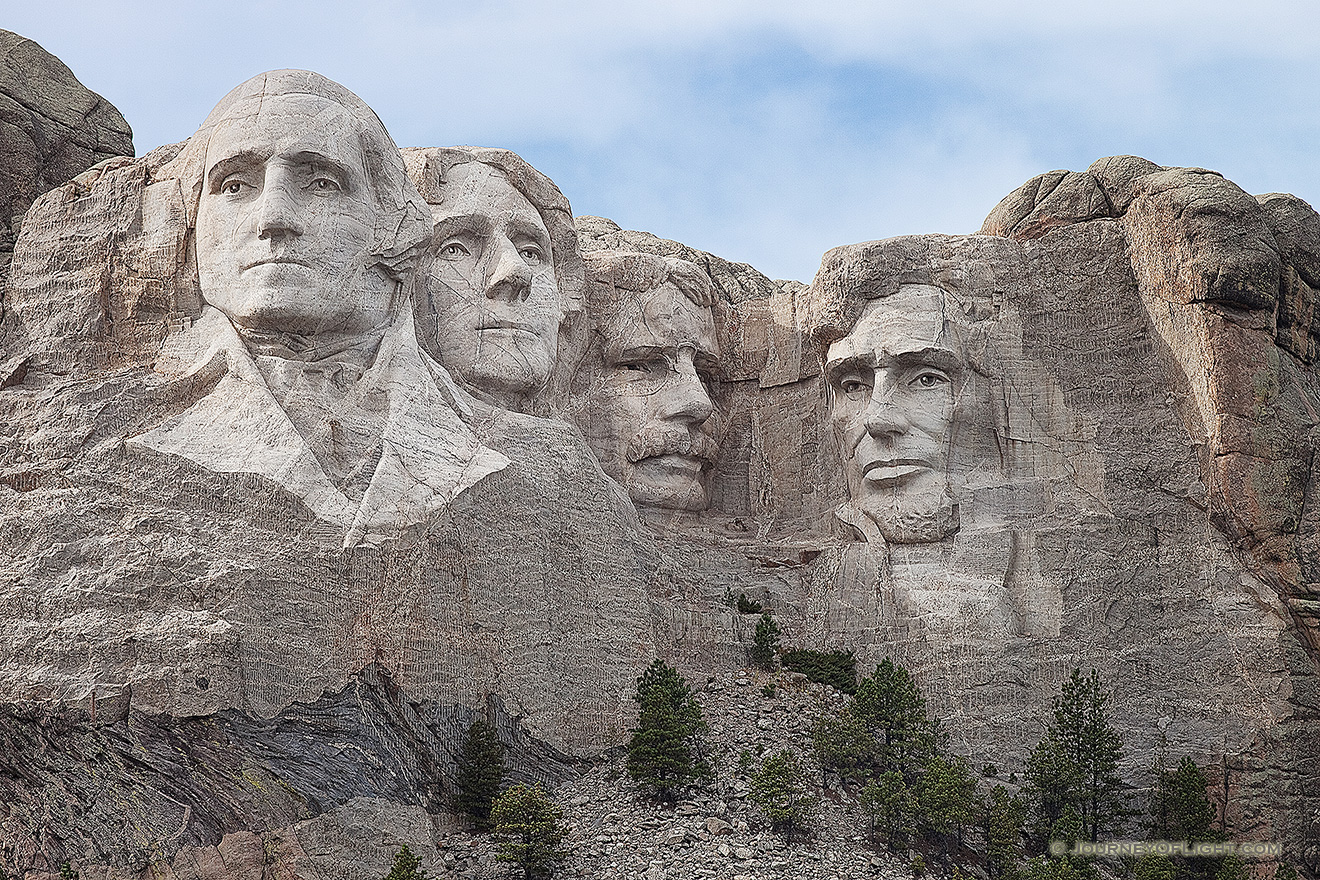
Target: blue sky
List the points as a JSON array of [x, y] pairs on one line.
[[761, 131]]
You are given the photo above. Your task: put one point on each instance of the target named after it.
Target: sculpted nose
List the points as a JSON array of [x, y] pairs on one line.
[[685, 396], [510, 278], [278, 215], [883, 416]]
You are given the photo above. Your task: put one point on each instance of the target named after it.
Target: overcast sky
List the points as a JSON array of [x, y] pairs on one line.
[[763, 131]]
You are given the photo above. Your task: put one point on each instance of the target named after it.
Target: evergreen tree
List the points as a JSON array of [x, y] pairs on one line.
[[1232, 868], [406, 866], [948, 798], [765, 643], [779, 788], [1076, 764], [661, 752], [1179, 808], [843, 744], [1052, 785], [892, 708], [480, 772], [528, 830], [1285, 871], [892, 808], [1002, 817], [1154, 866]]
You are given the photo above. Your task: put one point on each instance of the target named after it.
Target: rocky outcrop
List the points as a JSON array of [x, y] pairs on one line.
[[262, 559], [51, 129]]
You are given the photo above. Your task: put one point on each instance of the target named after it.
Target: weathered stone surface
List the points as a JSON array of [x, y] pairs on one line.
[[51, 129], [312, 453]]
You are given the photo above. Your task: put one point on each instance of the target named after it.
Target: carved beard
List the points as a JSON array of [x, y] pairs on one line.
[[922, 520]]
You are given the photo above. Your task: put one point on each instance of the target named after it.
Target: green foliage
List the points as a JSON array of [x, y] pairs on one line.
[[1076, 764], [1057, 869], [1285, 871], [1233, 868], [918, 866], [838, 669], [892, 808], [1179, 808], [893, 710], [843, 744], [661, 753], [1002, 818], [769, 690], [406, 866], [749, 606], [480, 772], [67, 872], [780, 789], [1154, 866], [948, 798], [766, 642], [528, 830]]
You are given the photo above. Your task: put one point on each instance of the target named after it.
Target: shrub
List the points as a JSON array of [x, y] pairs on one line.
[[838, 669]]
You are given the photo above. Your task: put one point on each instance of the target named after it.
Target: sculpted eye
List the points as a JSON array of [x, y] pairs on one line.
[[233, 186], [532, 254], [853, 387], [930, 379], [453, 249], [324, 183]]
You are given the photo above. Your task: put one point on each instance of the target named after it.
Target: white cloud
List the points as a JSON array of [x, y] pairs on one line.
[[764, 130]]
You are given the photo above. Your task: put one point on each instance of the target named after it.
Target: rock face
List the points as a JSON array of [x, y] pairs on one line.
[[311, 452], [51, 129]]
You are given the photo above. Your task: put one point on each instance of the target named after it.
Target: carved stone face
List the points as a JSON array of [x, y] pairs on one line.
[[893, 382], [652, 411], [491, 280], [285, 220]]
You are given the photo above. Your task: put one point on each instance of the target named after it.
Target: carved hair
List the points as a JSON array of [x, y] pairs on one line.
[[403, 224], [429, 169], [636, 272]]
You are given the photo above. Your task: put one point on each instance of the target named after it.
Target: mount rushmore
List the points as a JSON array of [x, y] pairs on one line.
[[313, 449]]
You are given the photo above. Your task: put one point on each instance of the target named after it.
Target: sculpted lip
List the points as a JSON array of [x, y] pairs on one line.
[[893, 470], [279, 261]]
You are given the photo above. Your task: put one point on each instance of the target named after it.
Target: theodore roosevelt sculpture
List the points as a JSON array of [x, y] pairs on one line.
[[647, 388], [894, 382], [306, 228], [502, 271]]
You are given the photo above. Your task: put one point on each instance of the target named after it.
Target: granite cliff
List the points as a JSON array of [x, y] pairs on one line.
[[305, 464]]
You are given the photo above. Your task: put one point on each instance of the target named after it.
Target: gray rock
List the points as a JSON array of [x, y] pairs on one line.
[[51, 129]]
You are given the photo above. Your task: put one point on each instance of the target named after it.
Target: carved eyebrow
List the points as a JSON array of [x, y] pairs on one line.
[[476, 224], [530, 230], [320, 161], [939, 358], [638, 352], [244, 160]]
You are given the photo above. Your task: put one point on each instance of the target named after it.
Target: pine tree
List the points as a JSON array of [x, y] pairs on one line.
[[1179, 808], [1076, 764], [480, 772], [892, 807], [892, 708], [661, 753], [780, 789], [1285, 871], [947, 798], [406, 866], [765, 642], [843, 744], [1002, 816], [528, 830]]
